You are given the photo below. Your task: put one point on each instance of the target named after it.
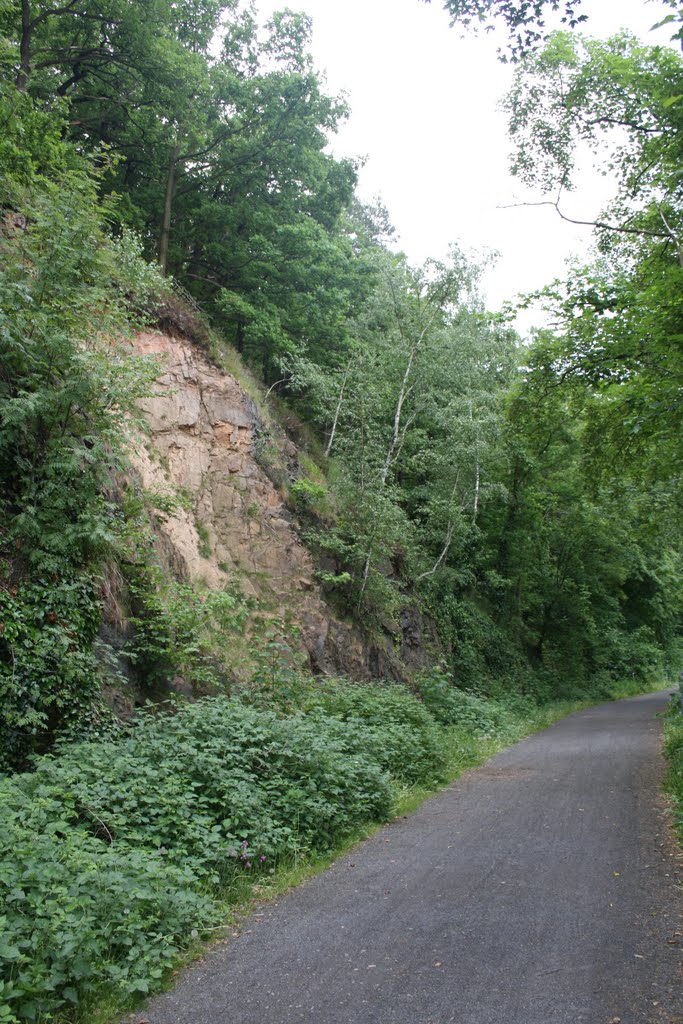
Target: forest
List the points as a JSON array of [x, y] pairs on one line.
[[165, 166]]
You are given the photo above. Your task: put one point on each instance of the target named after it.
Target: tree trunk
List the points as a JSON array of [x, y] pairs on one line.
[[449, 537], [165, 233], [25, 46], [477, 483], [328, 447], [391, 452]]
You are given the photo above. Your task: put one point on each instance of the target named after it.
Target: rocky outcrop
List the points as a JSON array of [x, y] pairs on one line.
[[206, 442]]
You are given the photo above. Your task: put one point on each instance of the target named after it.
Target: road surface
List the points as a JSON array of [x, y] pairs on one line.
[[539, 888]]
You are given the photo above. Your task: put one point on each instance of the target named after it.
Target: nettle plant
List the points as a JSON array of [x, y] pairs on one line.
[[109, 878]]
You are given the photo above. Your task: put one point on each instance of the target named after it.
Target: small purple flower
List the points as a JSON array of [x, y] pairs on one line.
[[248, 864], [263, 857]]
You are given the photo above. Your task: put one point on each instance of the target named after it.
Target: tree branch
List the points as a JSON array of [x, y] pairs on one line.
[[603, 225]]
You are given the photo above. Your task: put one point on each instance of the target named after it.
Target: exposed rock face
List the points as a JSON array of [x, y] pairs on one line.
[[204, 438]]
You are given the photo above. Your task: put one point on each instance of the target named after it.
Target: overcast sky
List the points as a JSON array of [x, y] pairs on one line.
[[424, 116]]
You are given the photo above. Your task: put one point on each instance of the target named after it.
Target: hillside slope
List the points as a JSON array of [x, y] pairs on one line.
[[207, 442]]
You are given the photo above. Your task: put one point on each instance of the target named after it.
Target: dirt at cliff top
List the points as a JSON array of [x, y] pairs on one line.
[[204, 437]]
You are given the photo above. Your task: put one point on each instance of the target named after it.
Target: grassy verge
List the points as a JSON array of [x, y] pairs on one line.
[[673, 748], [121, 860]]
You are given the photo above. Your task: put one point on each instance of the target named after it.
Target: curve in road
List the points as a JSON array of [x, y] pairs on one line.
[[539, 888]]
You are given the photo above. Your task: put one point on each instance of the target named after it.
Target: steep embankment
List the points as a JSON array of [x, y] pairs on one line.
[[207, 442]]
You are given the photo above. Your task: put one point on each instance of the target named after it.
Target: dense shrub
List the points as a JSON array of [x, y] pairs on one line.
[[107, 852], [674, 752], [388, 723], [48, 673], [67, 384], [451, 706], [81, 914]]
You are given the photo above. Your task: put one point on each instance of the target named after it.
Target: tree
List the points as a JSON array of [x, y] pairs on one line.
[[86, 50], [618, 318], [590, 562], [621, 99], [414, 420], [523, 19], [220, 162]]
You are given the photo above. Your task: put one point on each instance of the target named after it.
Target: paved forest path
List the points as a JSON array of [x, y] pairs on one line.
[[537, 889]]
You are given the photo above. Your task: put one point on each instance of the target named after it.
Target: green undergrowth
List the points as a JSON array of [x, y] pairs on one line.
[[673, 747], [120, 858]]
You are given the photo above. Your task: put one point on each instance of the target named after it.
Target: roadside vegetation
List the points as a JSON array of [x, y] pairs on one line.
[[120, 857], [673, 747]]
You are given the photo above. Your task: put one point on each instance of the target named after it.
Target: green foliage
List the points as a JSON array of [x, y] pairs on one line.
[[451, 706], [334, 580], [204, 540], [387, 723], [49, 679], [32, 146], [278, 678], [107, 851], [618, 317], [178, 632], [143, 282], [65, 382], [307, 492], [66, 387], [673, 748], [524, 20], [382, 721], [215, 130], [82, 915]]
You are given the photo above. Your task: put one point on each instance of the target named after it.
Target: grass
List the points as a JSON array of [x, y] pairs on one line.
[[225, 356], [673, 748]]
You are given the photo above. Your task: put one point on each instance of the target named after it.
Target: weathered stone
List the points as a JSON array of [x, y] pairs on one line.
[[179, 407], [234, 462], [202, 427]]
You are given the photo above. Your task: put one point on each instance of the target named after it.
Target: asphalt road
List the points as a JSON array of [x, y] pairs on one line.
[[538, 889]]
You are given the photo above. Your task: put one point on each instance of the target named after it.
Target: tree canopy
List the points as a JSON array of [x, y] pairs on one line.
[[524, 20], [517, 500]]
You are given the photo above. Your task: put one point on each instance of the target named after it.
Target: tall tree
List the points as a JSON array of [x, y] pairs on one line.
[[525, 20], [618, 318], [220, 160]]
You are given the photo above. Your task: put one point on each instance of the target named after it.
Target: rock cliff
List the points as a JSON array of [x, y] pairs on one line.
[[206, 441]]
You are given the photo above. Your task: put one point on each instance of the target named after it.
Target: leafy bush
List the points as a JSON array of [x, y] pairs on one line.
[[309, 793], [81, 915], [451, 706], [66, 387], [383, 721], [308, 495], [107, 852], [388, 723], [48, 673], [674, 751]]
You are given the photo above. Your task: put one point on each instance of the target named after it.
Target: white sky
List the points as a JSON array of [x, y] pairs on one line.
[[424, 115]]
